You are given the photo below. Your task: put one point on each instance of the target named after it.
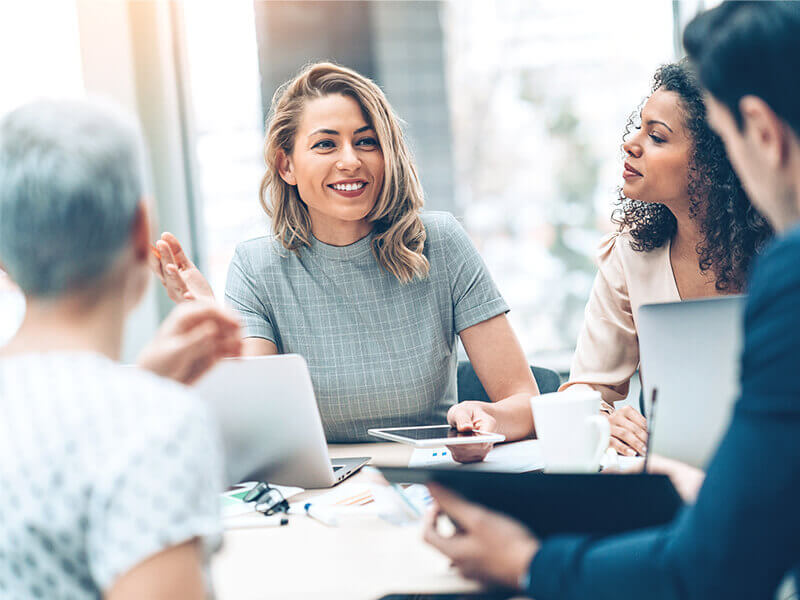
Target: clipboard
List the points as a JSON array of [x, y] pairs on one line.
[[560, 503]]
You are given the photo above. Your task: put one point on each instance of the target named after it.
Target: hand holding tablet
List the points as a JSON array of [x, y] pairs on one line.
[[432, 436]]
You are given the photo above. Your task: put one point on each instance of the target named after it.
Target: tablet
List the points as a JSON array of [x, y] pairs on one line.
[[556, 503], [433, 436]]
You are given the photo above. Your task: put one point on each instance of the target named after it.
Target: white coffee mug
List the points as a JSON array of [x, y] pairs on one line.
[[573, 435]]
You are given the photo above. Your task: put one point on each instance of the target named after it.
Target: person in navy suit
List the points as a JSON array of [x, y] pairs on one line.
[[741, 536]]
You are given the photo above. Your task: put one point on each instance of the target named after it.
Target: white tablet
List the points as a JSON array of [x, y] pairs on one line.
[[433, 436]]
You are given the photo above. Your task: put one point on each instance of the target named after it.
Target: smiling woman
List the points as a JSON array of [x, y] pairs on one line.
[[360, 282]]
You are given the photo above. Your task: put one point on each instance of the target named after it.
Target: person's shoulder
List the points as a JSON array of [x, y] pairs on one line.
[[782, 250], [168, 401], [154, 412], [775, 271], [442, 229], [616, 251], [259, 246], [439, 220], [261, 253]]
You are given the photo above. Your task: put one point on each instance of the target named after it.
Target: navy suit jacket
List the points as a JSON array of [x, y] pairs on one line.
[[743, 534]]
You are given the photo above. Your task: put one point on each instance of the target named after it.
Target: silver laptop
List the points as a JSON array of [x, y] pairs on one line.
[[270, 424], [690, 352]]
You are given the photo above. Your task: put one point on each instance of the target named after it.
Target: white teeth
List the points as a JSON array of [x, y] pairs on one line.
[[348, 187]]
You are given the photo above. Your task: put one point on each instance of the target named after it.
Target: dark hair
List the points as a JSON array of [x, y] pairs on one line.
[[743, 48], [733, 231]]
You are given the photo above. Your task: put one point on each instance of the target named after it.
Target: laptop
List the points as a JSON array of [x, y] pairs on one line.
[[270, 423], [690, 352]]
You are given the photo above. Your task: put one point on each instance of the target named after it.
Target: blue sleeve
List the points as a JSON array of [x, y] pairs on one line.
[[743, 534]]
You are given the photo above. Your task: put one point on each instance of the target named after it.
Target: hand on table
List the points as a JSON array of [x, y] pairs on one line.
[[628, 430], [471, 416], [179, 275], [486, 546], [191, 340]]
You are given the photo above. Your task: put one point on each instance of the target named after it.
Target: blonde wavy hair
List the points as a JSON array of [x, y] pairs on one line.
[[399, 235]]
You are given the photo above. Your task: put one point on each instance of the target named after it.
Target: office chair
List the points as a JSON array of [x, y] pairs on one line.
[[470, 388]]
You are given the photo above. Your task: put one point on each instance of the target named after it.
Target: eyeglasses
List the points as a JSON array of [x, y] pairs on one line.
[[269, 500]]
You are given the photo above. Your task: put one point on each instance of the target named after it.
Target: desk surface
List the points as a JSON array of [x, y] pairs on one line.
[[363, 558]]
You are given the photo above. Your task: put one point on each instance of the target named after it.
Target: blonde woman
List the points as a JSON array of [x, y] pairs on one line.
[[355, 278]]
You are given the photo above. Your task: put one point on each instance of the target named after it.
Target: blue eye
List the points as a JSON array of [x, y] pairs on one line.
[[323, 145], [367, 141]]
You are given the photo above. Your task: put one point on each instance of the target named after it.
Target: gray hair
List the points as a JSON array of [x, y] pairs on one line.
[[71, 179]]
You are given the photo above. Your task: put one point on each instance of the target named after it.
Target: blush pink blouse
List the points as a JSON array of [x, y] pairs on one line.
[[607, 353]]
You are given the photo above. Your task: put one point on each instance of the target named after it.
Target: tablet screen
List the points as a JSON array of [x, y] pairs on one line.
[[433, 433]]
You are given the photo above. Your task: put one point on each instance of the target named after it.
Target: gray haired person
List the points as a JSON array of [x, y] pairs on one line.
[[97, 442]]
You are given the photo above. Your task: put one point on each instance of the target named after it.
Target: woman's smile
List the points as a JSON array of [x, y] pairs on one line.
[[349, 188]]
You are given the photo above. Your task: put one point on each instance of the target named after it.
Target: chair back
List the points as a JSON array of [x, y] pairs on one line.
[[470, 387]]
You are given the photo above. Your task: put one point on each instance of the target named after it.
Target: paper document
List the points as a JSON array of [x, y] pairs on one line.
[[350, 496], [514, 457]]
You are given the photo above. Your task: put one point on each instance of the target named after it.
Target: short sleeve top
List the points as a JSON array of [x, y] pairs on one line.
[[101, 467], [380, 352], [607, 352]]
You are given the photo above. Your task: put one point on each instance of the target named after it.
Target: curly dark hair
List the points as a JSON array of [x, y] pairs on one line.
[[733, 231]]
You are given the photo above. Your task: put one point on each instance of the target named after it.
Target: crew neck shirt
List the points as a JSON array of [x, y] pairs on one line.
[[381, 353]]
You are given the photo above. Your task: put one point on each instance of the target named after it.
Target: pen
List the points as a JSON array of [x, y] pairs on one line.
[[273, 521], [316, 513], [650, 429]]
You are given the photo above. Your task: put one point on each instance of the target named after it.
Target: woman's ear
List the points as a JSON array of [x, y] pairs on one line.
[[286, 168]]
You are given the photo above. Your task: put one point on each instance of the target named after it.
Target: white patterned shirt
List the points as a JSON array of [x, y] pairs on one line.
[[101, 467]]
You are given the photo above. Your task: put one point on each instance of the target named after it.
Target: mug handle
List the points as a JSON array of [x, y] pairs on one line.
[[601, 424]]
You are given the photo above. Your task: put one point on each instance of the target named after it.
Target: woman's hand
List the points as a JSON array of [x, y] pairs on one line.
[[191, 340], [179, 275], [687, 479], [628, 430], [471, 416]]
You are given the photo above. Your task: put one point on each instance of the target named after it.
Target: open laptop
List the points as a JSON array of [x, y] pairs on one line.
[[270, 423], [690, 352]]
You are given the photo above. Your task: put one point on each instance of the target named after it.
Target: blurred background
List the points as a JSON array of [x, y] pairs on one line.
[[514, 109]]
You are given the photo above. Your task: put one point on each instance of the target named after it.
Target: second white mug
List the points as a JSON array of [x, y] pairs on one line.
[[572, 434]]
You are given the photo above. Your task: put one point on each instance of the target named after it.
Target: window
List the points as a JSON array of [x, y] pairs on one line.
[[537, 95], [38, 57]]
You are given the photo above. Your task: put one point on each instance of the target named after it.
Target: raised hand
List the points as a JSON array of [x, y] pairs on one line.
[[179, 275]]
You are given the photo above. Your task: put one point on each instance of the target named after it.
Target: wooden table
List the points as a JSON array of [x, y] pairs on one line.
[[364, 558]]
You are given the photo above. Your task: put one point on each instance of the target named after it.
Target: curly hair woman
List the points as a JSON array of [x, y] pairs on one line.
[[355, 278], [686, 230]]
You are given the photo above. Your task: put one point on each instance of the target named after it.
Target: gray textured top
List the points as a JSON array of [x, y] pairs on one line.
[[101, 467], [381, 353]]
